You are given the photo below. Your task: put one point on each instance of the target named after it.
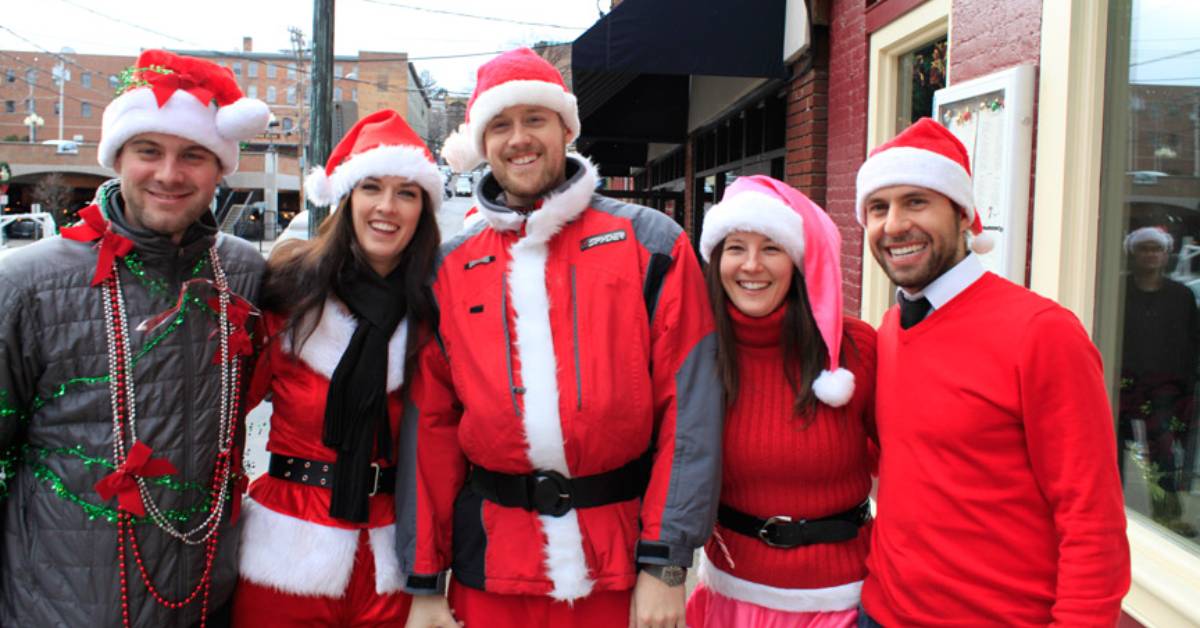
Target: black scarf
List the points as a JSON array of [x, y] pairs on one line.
[[356, 410]]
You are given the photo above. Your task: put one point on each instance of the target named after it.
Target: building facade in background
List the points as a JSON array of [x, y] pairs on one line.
[[362, 84], [700, 93]]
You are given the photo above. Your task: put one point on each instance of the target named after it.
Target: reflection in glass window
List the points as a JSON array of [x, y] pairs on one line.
[[925, 69], [1148, 319]]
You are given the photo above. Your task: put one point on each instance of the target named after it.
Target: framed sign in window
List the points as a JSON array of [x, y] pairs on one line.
[[993, 116]]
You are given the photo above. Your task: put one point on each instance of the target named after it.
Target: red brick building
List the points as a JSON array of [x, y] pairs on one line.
[[685, 96]]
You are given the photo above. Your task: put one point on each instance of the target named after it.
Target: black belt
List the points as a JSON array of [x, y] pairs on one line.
[[551, 493], [783, 531], [318, 473]]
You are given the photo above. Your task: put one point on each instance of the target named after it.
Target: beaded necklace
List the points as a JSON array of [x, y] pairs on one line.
[[131, 456]]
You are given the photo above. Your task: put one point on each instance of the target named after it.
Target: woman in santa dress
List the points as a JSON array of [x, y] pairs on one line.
[[793, 529], [344, 312]]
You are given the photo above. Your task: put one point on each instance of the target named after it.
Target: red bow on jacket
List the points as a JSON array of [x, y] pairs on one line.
[[239, 311], [123, 481], [163, 85], [112, 245]]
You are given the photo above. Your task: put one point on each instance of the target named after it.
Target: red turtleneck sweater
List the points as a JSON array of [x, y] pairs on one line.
[[777, 463]]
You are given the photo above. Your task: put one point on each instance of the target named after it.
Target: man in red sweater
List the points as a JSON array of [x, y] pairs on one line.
[[999, 500]]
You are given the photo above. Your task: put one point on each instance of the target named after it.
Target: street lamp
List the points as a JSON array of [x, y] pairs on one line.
[[33, 121]]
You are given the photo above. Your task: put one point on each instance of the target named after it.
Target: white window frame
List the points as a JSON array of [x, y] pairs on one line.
[[918, 27]]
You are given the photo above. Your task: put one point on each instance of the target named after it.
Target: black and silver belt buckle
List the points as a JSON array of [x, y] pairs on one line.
[[375, 482], [764, 533], [551, 494]]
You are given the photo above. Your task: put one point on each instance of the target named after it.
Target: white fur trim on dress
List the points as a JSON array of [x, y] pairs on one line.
[[387, 565], [324, 347], [293, 555], [382, 161], [566, 565], [541, 93], [827, 599], [905, 165], [557, 209], [756, 213], [834, 388]]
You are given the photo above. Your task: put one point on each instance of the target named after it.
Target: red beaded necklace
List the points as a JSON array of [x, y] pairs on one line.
[[134, 463]]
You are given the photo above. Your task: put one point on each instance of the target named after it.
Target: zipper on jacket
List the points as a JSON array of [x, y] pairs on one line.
[[575, 338], [513, 391], [186, 468]]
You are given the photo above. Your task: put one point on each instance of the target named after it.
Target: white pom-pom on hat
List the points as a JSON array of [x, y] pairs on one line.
[[318, 189], [243, 119], [834, 388], [459, 150]]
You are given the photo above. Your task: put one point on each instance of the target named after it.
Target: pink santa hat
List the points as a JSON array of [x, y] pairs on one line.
[[517, 77], [925, 155], [772, 208], [380, 145]]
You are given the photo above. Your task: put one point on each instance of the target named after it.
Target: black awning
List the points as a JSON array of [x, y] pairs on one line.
[[713, 37], [631, 70]]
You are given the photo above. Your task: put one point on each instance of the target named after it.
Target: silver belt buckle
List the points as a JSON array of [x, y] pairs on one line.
[[375, 483], [773, 521]]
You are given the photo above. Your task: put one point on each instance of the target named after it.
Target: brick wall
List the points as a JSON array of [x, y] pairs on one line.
[[992, 36], [807, 121], [847, 136]]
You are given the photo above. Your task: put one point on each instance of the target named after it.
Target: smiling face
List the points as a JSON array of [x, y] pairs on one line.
[[385, 212], [167, 182], [915, 234], [526, 146], [755, 272]]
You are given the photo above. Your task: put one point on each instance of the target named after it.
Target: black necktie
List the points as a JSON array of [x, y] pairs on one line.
[[911, 312]]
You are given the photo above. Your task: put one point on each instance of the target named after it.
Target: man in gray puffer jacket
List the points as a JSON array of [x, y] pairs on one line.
[[121, 351]]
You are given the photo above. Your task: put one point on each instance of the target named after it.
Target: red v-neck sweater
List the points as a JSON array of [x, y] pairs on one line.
[[999, 500], [776, 465]]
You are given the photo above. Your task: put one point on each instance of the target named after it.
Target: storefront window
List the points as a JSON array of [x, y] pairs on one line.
[[1148, 322], [925, 71]]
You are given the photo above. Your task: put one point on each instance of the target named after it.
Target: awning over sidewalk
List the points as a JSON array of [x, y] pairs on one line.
[[631, 69]]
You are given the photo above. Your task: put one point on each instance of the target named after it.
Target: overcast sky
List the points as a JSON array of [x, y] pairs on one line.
[[125, 27]]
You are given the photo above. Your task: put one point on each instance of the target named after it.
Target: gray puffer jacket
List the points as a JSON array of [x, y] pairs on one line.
[[58, 556]]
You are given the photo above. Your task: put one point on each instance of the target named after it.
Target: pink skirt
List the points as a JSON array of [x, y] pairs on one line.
[[709, 609]]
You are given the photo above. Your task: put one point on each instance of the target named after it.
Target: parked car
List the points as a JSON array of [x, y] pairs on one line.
[[23, 230], [464, 185], [297, 229], [64, 147]]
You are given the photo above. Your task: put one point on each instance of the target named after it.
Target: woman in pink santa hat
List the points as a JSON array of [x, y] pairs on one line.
[[345, 312], [793, 527]]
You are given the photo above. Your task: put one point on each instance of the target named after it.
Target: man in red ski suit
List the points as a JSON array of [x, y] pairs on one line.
[[563, 440]]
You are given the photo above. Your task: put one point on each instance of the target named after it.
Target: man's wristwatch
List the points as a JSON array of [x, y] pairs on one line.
[[671, 575]]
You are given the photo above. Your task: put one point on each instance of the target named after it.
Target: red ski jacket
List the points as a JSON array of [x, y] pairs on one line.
[[573, 338]]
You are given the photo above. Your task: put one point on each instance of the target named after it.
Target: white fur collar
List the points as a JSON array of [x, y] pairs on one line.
[[325, 346], [559, 208]]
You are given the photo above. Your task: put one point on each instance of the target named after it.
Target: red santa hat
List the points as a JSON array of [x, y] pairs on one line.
[[925, 155], [186, 97], [760, 204], [1156, 234], [380, 145], [517, 77]]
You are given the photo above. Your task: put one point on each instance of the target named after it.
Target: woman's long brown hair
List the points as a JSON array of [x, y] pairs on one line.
[[804, 350], [301, 273]]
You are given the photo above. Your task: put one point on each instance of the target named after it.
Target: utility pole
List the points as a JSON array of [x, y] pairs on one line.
[[321, 127], [301, 53], [61, 76]]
